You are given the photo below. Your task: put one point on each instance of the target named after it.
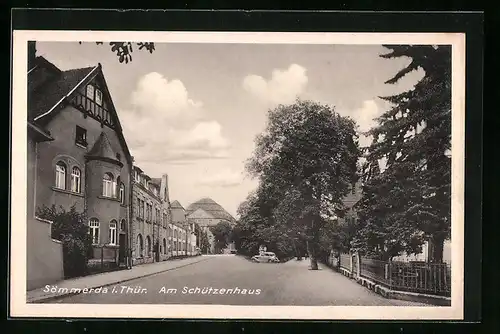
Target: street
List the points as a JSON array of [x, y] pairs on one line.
[[208, 282]]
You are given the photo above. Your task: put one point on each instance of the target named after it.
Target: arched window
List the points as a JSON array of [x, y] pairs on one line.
[[123, 225], [61, 175], [107, 185], [112, 232], [148, 246], [94, 230], [140, 246], [164, 246], [76, 180], [122, 193]]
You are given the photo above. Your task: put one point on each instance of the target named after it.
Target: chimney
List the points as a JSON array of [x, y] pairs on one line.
[[31, 54], [164, 188]]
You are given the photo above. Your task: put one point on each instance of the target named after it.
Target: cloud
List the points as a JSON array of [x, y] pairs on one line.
[[226, 178], [365, 119], [166, 125], [283, 87], [156, 93]]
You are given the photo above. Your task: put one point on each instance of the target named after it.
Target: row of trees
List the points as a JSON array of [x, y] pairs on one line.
[[306, 162]]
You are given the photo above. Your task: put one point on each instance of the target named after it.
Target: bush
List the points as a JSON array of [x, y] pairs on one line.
[[70, 228]]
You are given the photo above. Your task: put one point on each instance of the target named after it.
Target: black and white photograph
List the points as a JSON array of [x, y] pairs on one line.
[[280, 175]]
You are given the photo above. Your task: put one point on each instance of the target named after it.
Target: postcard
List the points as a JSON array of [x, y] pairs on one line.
[[237, 175]]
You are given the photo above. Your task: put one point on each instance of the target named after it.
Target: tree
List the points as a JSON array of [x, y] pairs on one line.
[[307, 158], [124, 50], [70, 228], [257, 226], [222, 235], [410, 201]]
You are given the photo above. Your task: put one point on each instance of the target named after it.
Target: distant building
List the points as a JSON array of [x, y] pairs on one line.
[[182, 238], [77, 155], [206, 213]]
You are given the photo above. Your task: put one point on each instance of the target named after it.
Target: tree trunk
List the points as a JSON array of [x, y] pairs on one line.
[[314, 261], [436, 246], [311, 250]]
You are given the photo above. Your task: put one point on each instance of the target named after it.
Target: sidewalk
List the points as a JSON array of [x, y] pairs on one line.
[[76, 285]]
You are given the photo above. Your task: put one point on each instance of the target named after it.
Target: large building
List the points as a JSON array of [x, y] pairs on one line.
[[207, 213], [77, 154]]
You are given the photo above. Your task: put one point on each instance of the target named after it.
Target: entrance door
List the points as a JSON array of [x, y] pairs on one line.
[[121, 254]]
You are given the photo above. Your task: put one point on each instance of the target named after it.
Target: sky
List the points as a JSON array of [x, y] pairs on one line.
[[193, 110]]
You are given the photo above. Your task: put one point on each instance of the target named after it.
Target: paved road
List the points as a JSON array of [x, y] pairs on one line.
[[290, 283]]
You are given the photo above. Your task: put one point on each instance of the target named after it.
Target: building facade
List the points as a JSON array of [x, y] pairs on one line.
[[86, 162], [151, 217], [182, 239], [207, 213]]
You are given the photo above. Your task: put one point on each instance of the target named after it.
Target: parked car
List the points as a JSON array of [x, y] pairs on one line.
[[265, 257]]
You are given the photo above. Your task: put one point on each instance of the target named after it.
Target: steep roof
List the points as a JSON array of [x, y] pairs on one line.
[[48, 86], [212, 207], [176, 205], [102, 149], [47, 89]]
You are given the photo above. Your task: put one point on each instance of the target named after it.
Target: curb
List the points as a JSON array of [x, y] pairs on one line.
[[55, 297]]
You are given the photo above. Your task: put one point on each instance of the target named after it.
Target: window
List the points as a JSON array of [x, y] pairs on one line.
[[94, 230], [140, 246], [76, 180], [107, 185], [123, 225], [98, 97], [112, 232], [164, 246], [90, 92], [61, 175], [149, 212], [81, 136], [122, 193]]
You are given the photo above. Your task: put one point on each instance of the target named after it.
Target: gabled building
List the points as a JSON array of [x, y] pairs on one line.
[[207, 213], [151, 217], [78, 154]]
